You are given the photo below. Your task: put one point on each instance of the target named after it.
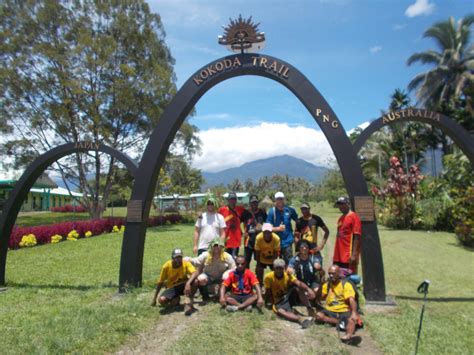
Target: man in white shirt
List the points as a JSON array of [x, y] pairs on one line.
[[209, 225]]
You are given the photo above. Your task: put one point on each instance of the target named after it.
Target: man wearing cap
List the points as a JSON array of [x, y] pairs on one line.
[[280, 217], [177, 276], [348, 238], [253, 221], [241, 283], [233, 218], [267, 249], [209, 225], [280, 289], [213, 266], [340, 304]]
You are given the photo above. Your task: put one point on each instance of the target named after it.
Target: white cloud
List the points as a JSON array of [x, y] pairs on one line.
[[189, 13], [420, 7], [362, 126], [375, 49], [399, 27], [231, 147]]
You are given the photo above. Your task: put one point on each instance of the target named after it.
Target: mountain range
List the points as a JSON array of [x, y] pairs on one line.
[[254, 170]]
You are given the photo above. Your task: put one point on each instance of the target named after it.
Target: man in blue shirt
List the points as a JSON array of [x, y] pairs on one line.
[[280, 218]]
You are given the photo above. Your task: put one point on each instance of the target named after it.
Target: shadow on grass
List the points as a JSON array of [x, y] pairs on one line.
[[437, 299], [171, 309], [60, 287], [459, 245]]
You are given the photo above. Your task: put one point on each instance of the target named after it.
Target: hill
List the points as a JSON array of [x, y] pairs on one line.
[[282, 165]]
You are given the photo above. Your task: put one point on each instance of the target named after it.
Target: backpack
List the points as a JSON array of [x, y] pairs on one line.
[[299, 269], [359, 297]]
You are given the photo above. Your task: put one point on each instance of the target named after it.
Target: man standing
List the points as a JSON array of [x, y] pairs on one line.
[[213, 266], [209, 225], [280, 289], [341, 306], [253, 221], [280, 218], [267, 249], [241, 282], [178, 277], [233, 218], [307, 228], [348, 238]]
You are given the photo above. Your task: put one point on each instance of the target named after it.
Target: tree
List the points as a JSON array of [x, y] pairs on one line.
[[452, 64], [178, 177], [84, 71]]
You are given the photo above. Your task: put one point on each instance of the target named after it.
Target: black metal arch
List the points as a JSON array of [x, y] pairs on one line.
[[131, 263], [32, 173], [457, 133]]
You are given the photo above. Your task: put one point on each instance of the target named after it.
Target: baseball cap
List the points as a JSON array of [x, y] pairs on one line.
[[176, 252], [341, 200], [217, 241], [231, 195], [279, 263], [267, 227], [253, 198], [305, 205], [279, 194]]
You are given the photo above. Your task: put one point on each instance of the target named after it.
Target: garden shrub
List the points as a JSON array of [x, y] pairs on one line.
[[68, 208], [78, 229]]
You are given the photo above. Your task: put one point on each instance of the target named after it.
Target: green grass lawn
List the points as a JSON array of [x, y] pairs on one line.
[[63, 298]]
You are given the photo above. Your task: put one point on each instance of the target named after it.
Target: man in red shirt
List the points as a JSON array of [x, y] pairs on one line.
[[233, 218], [348, 238], [241, 282]]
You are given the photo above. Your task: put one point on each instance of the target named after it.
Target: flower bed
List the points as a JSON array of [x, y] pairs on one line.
[[68, 208], [55, 233]]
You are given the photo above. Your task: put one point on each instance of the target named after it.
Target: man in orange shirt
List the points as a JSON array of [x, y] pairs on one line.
[[348, 238], [233, 218]]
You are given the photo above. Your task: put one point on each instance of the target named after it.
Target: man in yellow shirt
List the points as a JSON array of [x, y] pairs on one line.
[[340, 305], [176, 276], [281, 291], [267, 249]]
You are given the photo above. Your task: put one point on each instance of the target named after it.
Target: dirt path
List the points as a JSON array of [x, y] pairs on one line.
[[167, 330]]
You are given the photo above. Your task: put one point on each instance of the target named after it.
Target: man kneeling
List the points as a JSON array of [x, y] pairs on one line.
[[213, 267], [176, 274], [341, 307], [241, 283], [282, 290]]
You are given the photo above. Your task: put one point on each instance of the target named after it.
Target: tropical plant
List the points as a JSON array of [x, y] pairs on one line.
[[399, 195], [452, 64]]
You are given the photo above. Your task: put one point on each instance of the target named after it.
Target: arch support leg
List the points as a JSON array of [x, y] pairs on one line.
[[372, 263]]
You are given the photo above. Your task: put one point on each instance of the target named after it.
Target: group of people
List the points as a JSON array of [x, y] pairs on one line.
[[269, 239]]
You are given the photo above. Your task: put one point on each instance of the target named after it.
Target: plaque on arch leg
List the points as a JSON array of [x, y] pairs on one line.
[[364, 207], [134, 211]]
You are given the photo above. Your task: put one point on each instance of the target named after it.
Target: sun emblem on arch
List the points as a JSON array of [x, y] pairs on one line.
[[242, 36]]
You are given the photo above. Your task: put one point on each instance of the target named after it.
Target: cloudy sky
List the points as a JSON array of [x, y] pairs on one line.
[[353, 51]]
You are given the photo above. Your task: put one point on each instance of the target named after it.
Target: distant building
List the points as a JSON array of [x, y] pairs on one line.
[[191, 202], [44, 195]]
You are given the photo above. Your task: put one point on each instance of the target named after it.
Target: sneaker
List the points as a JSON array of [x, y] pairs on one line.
[[306, 323], [342, 325], [188, 309], [354, 340], [248, 308], [231, 308]]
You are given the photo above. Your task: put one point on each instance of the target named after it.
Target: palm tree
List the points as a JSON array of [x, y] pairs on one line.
[[453, 64]]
